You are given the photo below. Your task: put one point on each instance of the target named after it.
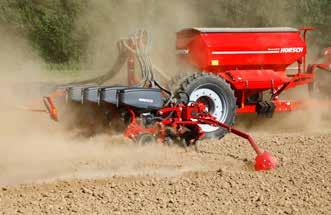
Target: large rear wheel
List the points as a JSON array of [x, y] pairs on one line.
[[216, 94]]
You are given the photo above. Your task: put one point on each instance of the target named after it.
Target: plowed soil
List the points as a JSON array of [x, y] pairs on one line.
[[44, 171]]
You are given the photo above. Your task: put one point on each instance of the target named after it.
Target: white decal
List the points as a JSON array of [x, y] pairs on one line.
[[291, 50], [146, 100], [269, 51], [245, 52]]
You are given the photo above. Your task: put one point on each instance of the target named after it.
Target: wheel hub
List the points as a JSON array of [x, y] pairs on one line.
[[214, 105]]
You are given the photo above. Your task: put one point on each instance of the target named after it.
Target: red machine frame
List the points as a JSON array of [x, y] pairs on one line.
[[262, 67], [193, 115]]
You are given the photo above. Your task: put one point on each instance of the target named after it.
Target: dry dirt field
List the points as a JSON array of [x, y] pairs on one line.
[[43, 170]]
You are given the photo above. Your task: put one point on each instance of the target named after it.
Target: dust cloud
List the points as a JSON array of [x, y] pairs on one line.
[[108, 21], [17, 59], [33, 148], [315, 118]]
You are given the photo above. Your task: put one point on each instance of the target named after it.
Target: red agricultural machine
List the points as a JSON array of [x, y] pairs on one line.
[[231, 71]]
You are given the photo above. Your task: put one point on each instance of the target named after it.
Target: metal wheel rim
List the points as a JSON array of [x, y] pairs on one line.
[[219, 105]]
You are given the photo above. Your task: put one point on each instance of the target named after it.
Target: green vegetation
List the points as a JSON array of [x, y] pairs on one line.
[[51, 25]]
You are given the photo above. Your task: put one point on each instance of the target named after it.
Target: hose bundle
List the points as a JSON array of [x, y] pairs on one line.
[[140, 44]]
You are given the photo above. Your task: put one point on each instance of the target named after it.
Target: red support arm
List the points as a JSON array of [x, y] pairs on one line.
[[213, 122], [263, 160]]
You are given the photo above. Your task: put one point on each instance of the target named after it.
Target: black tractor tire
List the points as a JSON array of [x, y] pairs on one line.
[[215, 92], [175, 82]]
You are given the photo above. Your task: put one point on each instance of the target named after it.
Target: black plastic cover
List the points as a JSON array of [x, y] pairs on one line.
[[144, 98], [92, 94], [76, 93], [110, 94], [138, 97]]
